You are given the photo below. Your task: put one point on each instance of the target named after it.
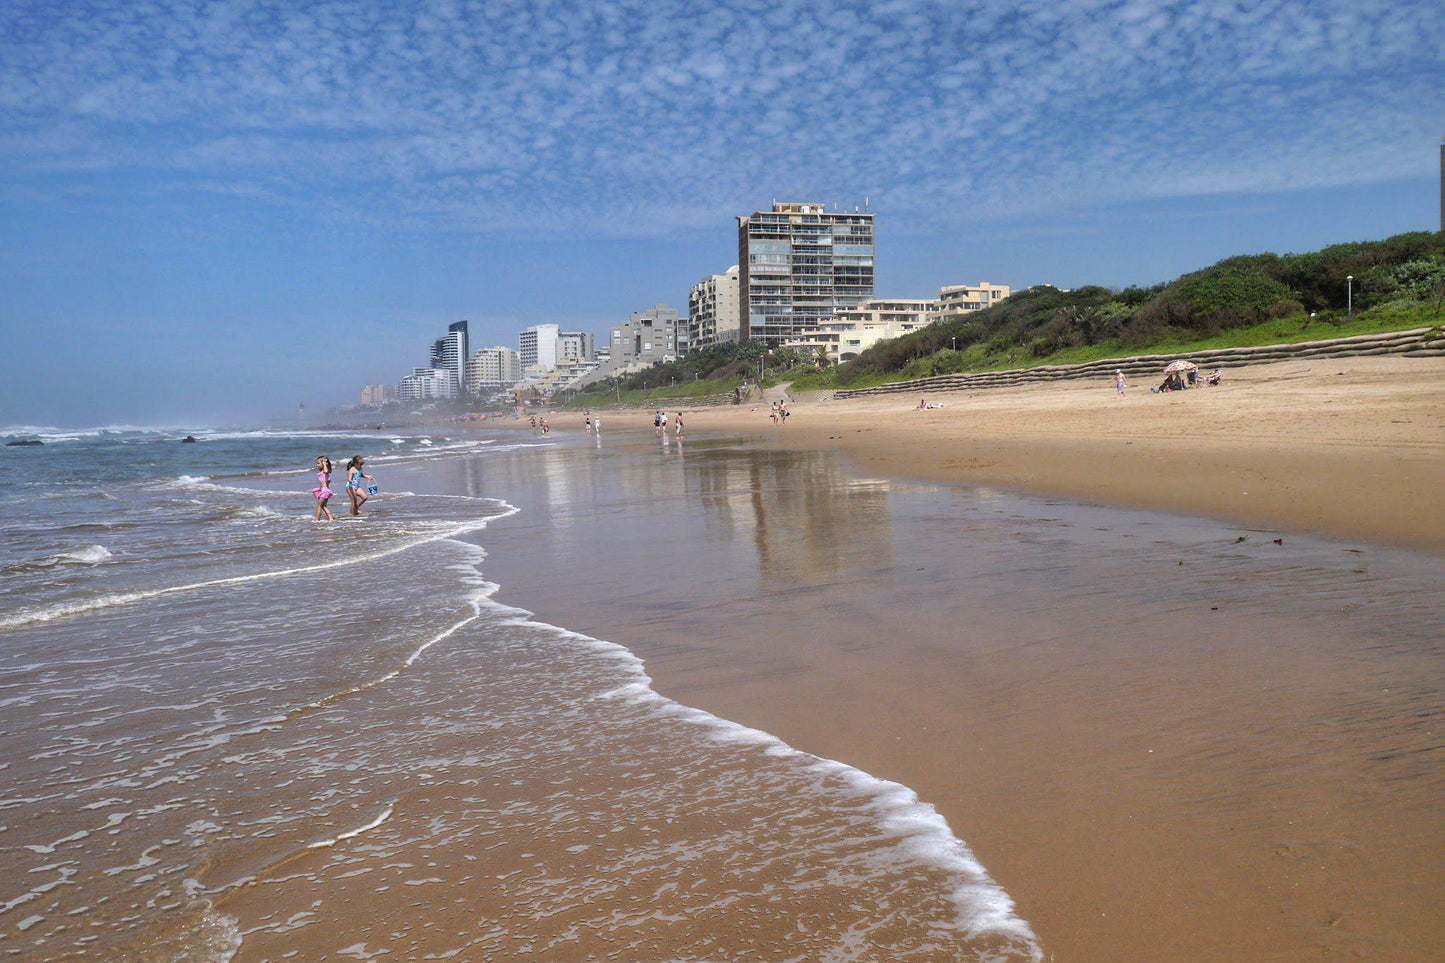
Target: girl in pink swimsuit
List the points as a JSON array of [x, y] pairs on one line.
[[323, 491]]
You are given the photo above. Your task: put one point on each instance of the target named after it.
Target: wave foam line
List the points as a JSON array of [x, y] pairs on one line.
[[353, 833], [476, 602], [982, 907], [32, 616]]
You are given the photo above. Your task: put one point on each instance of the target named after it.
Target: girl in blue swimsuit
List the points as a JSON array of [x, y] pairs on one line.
[[354, 487]]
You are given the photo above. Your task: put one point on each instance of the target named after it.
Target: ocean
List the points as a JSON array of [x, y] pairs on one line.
[[227, 731]]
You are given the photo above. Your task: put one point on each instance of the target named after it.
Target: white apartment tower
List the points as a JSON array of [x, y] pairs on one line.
[[492, 370], [712, 309], [538, 346], [450, 353], [798, 264]]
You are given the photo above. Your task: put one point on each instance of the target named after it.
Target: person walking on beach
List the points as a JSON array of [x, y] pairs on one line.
[[534, 426], [546, 429], [657, 422], [1119, 382], [355, 488], [679, 426], [587, 420], [323, 491]]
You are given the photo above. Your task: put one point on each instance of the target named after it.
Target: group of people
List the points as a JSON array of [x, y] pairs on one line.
[[542, 424], [590, 423], [659, 424], [357, 487], [780, 412]]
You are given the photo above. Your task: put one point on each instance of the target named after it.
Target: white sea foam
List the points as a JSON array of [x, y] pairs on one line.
[[353, 833], [982, 907], [89, 555], [80, 607]]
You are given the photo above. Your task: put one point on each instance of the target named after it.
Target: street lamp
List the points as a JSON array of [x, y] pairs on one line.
[[955, 344], [1349, 296]]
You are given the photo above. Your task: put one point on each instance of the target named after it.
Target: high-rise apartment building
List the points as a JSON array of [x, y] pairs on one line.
[[377, 394], [645, 338], [492, 370], [712, 310], [576, 346], [537, 346], [450, 354], [798, 264], [428, 384]]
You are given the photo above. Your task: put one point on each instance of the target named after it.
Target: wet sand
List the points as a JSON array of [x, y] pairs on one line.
[[1351, 447], [1163, 742]]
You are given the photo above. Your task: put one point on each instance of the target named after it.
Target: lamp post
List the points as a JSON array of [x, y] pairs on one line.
[[955, 344], [1349, 296]]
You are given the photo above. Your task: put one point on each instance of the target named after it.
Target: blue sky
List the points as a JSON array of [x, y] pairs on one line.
[[219, 209]]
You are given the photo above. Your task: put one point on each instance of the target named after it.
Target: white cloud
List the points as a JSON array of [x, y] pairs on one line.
[[650, 117]]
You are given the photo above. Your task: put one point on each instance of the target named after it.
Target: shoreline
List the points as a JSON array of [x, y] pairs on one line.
[[1204, 795], [1349, 448]]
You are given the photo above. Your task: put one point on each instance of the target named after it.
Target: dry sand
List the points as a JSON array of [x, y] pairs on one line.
[[1353, 447]]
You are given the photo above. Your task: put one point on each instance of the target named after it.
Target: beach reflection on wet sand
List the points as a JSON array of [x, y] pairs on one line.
[[1165, 737]]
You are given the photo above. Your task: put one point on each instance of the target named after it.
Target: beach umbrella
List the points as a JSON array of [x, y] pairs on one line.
[[1180, 367]]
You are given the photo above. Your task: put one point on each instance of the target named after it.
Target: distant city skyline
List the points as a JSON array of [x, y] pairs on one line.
[[221, 210]]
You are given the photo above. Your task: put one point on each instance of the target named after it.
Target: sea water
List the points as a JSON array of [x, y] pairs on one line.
[[229, 731]]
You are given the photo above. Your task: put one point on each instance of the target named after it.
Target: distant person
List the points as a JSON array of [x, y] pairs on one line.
[[1215, 377], [1119, 382], [323, 491], [773, 408], [657, 421], [356, 487], [534, 426], [587, 420], [546, 429], [679, 424]]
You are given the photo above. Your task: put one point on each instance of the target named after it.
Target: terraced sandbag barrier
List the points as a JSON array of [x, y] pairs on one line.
[[1415, 343]]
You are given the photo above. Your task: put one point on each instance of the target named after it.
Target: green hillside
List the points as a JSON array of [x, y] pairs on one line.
[[1247, 300]]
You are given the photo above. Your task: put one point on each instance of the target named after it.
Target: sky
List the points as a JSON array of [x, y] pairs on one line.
[[214, 211]]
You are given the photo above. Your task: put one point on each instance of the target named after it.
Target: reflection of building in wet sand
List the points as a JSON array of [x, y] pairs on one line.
[[809, 521], [634, 503]]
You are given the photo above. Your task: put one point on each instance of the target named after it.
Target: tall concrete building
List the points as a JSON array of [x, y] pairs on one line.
[[645, 338], [576, 346], [712, 310], [450, 354], [492, 370], [538, 346], [428, 384], [799, 264]]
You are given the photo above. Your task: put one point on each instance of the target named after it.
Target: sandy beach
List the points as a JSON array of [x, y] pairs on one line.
[[1351, 447], [1194, 734]]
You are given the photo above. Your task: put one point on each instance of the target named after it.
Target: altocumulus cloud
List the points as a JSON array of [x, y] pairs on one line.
[[650, 117]]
